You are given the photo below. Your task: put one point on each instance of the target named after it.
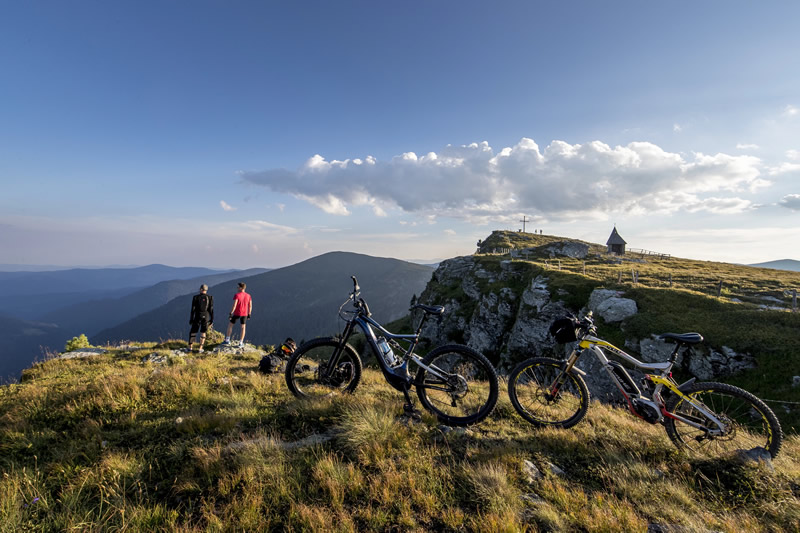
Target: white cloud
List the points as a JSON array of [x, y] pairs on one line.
[[794, 155], [676, 128], [226, 206], [743, 146], [476, 183], [784, 168], [449, 232], [791, 201], [791, 111]]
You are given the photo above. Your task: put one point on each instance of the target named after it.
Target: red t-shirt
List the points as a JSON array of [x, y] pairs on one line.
[[242, 307]]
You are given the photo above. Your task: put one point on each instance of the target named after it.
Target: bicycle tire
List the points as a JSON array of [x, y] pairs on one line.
[[746, 430], [303, 369], [460, 401], [528, 390]]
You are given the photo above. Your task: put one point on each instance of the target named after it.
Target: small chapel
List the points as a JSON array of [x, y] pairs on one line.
[[615, 243]]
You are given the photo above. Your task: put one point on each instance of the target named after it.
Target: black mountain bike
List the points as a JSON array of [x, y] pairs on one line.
[[454, 382]]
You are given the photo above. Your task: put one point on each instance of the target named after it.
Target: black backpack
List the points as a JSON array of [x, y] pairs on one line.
[[275, 361], [564, 329]]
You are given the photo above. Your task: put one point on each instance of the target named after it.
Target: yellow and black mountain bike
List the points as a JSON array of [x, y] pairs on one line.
[[715, 418]]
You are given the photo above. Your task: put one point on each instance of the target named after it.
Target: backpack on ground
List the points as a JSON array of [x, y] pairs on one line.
[[275, 361]]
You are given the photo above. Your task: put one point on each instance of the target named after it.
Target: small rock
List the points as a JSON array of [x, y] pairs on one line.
[[556, 470], [533, 498], [531, 470], [757, 454], [796, 381], [179, 420]]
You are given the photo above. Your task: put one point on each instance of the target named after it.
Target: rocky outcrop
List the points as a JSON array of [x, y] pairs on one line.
[[611, 306], [506, 315]]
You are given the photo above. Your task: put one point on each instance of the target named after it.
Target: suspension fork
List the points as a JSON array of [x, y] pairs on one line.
[[562, 376], [337, 353]]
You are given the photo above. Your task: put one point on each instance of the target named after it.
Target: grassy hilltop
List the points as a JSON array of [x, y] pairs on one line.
[[204, 443], [752, 313]]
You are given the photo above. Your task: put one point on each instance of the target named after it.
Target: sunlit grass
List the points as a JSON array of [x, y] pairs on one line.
[[211, 445]]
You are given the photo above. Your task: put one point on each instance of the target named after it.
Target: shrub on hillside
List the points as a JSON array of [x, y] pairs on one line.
[[76, 343]]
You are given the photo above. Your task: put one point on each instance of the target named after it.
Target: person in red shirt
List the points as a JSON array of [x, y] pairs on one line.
[[241, 311]]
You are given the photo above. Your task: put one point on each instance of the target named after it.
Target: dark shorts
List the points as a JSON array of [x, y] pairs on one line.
[[242, 319], [201, 326]]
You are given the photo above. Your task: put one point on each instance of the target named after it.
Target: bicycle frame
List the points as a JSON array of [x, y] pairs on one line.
[[399, 376], [626, 385]]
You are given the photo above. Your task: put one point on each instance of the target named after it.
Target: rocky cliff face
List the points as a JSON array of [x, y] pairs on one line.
[[504, 310]]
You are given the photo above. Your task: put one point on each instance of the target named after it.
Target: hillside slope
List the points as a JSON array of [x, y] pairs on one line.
[[203, 443], [24, 342], [298, 301]]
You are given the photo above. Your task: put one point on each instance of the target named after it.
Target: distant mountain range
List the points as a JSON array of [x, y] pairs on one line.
[[31, 295], [96, 315], [44, 322], [298, 301], [780, 264]]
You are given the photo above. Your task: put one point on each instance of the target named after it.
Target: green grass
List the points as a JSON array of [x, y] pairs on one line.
[[111, 444], [689, 304]]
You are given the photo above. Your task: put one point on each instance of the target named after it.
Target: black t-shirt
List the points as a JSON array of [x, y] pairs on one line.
[[202, 308]]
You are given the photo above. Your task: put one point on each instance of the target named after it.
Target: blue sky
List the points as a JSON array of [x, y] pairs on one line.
[[241, 134]]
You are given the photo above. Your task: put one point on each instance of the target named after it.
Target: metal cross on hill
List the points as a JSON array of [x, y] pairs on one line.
[[523, 223]]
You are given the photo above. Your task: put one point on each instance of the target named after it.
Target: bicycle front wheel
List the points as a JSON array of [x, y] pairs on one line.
[[461, 386], [530, 391], [747, 422], [306, 369]]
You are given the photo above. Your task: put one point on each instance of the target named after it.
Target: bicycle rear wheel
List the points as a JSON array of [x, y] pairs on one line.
[[466, 389], [305, 369], [529, 391], [748, 422]]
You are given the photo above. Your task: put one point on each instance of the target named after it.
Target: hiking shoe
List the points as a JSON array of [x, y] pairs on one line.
[[226, 342], [200, 350]]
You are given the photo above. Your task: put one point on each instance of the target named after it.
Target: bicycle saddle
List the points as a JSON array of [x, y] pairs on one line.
[[682, 338], [430, 309]]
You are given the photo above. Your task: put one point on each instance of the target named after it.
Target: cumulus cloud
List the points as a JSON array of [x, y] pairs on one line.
[[449, 232], [784, 168], [794, 155], [791, 201], [480, 184], [791, 111], [226, 206]]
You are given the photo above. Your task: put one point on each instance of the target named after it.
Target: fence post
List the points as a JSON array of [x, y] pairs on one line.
[[584, 268], [670, 279], [719, 288], [794, 300], [619, 276], [559, 264]]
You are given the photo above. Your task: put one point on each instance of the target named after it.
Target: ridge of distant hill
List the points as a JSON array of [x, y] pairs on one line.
[[24, 342], [780, 264], [29, 295], [298, 301], [96, 315]]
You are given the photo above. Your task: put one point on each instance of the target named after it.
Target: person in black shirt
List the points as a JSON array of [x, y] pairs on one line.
[[201, 317]]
